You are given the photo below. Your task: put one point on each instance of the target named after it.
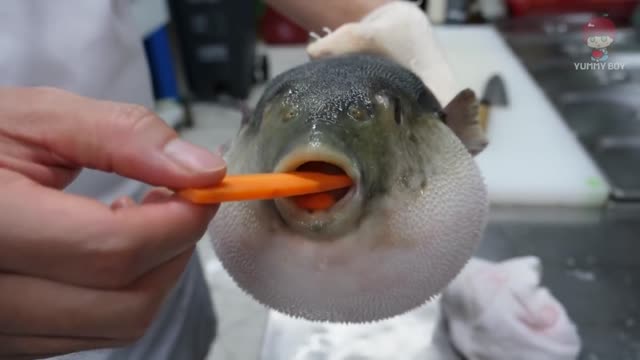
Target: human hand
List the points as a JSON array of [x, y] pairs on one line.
[[401, 31], [76, 274]]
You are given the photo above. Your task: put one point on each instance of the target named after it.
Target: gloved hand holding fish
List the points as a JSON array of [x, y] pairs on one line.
[[409, 222], [399, 31]]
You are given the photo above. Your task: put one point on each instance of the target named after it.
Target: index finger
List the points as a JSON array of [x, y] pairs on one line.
[[68, 238]]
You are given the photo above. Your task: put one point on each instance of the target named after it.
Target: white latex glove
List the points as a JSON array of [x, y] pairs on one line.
[[499, 311], [401, 31]]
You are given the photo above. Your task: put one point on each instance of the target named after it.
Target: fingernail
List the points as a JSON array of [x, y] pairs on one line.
[[123, 202], [193, 157], [157, 195]]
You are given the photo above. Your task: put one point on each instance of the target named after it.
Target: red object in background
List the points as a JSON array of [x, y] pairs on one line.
[[598, 26], [539, 7], [277, 29]]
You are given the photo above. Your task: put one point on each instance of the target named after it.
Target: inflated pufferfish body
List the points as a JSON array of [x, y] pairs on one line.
[[392, 241]]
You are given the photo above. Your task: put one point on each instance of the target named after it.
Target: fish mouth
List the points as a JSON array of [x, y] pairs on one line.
[[325, 200], [297, 213]]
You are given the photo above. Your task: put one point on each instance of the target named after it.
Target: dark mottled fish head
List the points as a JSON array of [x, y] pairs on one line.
[[392, 239]]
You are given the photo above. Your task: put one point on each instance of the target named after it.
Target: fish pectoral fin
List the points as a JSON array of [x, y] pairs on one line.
[[461, 115], [245, 111], [222, 149]]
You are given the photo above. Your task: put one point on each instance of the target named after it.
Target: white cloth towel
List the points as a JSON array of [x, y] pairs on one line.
[[500, 311]]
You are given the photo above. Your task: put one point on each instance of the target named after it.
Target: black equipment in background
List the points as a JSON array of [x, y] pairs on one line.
[[217, 42]]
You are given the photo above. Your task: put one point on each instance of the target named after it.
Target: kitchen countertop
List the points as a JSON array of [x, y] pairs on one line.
[[589, 259], [590, 263]]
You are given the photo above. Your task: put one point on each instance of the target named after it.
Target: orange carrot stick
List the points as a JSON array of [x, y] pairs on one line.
[[266, 186], [319, 201]]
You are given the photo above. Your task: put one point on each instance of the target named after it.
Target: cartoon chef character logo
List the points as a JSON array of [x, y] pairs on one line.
[[599, 34]]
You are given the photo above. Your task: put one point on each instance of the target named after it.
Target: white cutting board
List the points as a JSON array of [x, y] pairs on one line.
[[533, 158]]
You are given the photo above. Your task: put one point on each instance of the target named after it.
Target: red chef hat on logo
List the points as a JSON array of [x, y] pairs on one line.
[[599, 26]]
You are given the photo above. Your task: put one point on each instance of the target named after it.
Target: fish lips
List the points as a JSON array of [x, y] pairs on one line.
[[338, 218]]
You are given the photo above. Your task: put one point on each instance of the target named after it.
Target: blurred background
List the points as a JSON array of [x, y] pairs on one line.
[[562, 167]]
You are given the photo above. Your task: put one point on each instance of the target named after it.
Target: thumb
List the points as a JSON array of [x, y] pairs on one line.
[[114, 137]]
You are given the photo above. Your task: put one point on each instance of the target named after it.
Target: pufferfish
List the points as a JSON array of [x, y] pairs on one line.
[[411, 220]]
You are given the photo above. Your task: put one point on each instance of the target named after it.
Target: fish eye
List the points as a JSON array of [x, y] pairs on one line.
[[356, 113], [288, 114], [397, 111]]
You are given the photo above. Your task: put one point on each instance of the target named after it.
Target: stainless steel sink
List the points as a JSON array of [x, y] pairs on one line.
[[543, 39], [586, 261], [594, 120], [602, 107], [589, 263], [558, 79], [619, 158]]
